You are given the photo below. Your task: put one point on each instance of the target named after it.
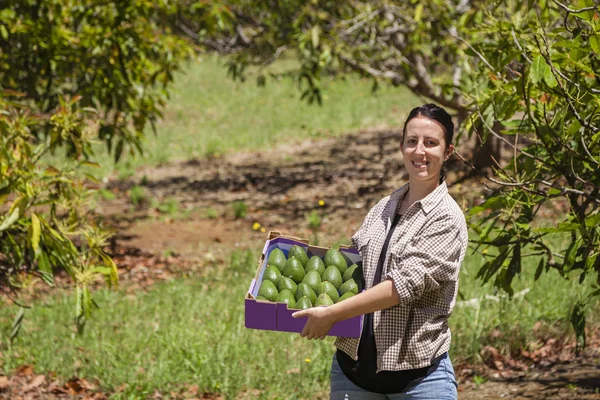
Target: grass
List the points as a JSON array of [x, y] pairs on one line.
[[209, 114], [190, 331], [181, 333]]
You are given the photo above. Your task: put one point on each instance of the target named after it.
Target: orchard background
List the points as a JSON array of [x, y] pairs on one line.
[[147, 147]]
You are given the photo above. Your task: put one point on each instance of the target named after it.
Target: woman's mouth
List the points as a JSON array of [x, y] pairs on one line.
[[420, 164]]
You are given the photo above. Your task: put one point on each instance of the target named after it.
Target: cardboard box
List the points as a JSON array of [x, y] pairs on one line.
[[276, 316]]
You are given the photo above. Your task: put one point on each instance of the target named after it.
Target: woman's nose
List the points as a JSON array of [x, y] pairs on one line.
[[420, 149]]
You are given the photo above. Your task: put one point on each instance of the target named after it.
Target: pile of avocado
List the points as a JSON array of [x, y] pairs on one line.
[[302, 283]]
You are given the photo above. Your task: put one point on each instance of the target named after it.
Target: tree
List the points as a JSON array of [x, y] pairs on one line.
[[72, 72], [414, 44], [537, 74], [523, 73]]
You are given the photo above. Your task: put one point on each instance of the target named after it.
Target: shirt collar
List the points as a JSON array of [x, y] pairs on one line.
[[428, 203]]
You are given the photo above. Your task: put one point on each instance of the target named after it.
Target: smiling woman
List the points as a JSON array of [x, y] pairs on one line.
[[412, 245]]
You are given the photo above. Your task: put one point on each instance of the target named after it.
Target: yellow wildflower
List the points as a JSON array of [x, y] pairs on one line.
[[263, 230], [256, 226], [307, 360], [321, 203]]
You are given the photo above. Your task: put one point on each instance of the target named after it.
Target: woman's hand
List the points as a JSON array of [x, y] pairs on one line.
[[319, 322]]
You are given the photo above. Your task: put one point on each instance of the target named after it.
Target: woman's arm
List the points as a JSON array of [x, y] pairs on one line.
[[321, 319]]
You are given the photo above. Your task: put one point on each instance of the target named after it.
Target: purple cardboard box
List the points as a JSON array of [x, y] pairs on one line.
[[276, 316]]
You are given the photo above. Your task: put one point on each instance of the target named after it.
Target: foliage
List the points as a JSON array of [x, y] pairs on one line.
[[71, 73], [403, 43], [45, 224], [544, 90], [113, 55], [521, 72]]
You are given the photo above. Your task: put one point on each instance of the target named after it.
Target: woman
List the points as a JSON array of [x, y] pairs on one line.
[[412, 244]]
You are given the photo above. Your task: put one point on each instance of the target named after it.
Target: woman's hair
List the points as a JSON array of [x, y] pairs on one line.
[[435, 113], [439, 115]]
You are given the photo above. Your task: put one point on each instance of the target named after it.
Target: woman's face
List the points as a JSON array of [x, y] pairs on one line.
[[424, 149]]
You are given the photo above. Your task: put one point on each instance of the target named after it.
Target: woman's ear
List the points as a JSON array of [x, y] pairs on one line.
[[449, 152]]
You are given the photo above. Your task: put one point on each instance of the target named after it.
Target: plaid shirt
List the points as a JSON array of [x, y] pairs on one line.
[[423, 261]]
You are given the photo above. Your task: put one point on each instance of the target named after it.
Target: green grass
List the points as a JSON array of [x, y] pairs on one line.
[[190, 331], [209, 114], [181, 333]]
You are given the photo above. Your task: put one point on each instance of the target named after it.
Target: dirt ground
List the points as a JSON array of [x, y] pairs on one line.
[[338, 178]]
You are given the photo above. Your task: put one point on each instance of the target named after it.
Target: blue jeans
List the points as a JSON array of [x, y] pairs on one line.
[[439, 385]]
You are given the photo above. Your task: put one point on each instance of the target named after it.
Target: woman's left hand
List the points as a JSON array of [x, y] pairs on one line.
[[319, 322]]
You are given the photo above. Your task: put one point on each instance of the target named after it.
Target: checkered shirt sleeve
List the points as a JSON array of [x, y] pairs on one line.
[[423, 261]]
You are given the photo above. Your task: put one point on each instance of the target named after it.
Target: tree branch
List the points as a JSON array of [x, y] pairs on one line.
[[573, 11]]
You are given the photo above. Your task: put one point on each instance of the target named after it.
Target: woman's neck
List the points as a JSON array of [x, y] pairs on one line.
[[418, 190]]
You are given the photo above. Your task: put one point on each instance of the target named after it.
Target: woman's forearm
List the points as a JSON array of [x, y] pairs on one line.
[[379, 297]]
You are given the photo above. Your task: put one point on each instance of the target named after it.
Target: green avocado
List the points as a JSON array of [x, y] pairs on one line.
[[261, 298], [349, 286], [304, 290], [293, 269], [299, 253], [287, 297], [323, 300], [349, 273], [272, 274], [277, 258], [315, 264], [334, 257], [268, 290], [287, 283], [328, 289], [303, 303], [345, 296], [312, 279], [332, 274]]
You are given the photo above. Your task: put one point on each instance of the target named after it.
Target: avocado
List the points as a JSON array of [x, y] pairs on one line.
[[272, 274], [323, 300], [332, 274], [345, 296], [287, 283], [268, 290], [287, 297], [328, 289], [312, 279], [334, 257], [261, 298], [299, 253], [315, 264], [293, 269], [349, 286], [304, 290], [277, 258], [303, 303], [350, 271]]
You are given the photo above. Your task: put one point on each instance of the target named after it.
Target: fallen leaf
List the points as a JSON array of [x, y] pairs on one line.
[[25, 370], [35, 382], [3, 382]]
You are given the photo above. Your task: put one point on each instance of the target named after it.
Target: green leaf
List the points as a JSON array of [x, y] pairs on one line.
[[16, 325], [35, 232], [418, 12], [314, 36], [489, 269], [539, 269], [595, 43], [3, 32], [538, 69], [578, 322], [570, 255], [593, 220], [11, 219]]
